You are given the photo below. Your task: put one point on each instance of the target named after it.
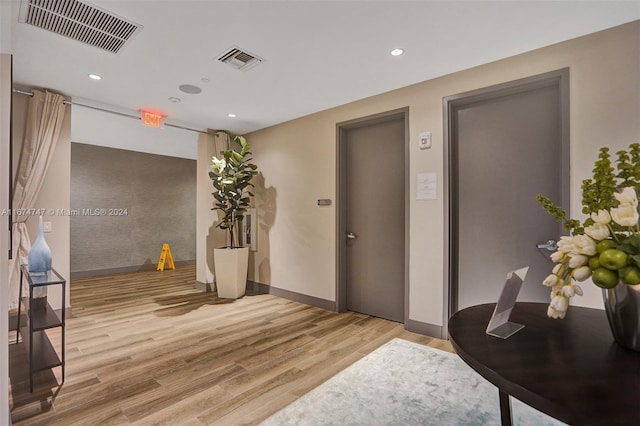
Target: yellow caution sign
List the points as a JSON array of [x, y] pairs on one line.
[[165, 256]]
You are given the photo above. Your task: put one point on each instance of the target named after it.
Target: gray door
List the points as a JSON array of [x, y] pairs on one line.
[[375, 218], [507, 147]]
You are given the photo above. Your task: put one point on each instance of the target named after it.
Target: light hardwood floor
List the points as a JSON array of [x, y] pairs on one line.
[[147, 348]]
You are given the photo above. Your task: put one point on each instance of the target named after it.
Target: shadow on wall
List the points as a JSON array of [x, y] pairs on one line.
[[266, 211], [148, 264]]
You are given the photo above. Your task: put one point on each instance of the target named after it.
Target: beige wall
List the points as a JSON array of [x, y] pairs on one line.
[[297, 248], [5, 108], [54, 195], [205, 216]]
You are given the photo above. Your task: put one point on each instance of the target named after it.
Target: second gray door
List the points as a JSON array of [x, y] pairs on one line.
[[508, 148], [375, 224]]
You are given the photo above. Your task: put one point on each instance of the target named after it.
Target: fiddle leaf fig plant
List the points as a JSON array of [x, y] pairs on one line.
[[231, 176]]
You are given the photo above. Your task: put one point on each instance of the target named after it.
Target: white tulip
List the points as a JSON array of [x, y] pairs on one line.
[[558, 269], [577, 289], [602, 217], [627, 196], [566, 244], [578, 260], [560, 303], [567, 291], [555, 314], [571, 290], [551, 280], [625, 215], [557, 256], [556, 289], [598, 231], [583, 244], [581, 273]]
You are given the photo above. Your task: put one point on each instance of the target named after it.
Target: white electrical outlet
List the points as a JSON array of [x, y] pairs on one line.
[[46, 226]]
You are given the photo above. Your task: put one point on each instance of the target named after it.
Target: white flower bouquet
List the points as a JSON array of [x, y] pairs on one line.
[[606, 246]]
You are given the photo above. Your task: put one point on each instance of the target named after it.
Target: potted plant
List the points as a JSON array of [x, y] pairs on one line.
[[231, 177], [605, 246]]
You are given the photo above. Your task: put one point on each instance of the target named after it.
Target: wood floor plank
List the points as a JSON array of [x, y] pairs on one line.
[[148, 348]]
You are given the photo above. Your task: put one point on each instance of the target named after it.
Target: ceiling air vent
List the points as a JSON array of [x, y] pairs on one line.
[[240, 59], [79, 21]]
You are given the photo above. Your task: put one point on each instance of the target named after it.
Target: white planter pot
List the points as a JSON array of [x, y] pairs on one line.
[[231, 266]]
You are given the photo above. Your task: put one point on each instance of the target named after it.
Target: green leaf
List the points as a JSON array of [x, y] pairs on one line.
[[634, 241], [627, 248]]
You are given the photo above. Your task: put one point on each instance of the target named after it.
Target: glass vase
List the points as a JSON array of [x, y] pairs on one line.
[[622, 305]]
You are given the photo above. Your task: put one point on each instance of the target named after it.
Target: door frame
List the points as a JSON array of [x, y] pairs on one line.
[[341, 190], [559, 78]]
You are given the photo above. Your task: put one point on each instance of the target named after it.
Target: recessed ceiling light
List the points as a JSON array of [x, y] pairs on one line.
[[174, 99], [95, 77], [190, 88], [397, 52], [231, 115]]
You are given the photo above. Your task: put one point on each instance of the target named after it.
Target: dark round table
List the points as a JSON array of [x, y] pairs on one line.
[[570, 369]]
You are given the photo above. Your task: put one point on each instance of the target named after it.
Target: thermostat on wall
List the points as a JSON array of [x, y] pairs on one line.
[[424, 140]]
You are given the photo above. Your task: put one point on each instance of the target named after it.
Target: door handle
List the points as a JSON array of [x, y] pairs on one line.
[[351, 236], [551, 245]]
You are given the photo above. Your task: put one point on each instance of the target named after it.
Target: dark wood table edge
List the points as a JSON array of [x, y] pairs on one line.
[[507, 388], [531, 365]]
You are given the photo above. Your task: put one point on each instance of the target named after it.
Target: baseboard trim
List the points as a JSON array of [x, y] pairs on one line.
[[206, 287], [256, 287], [424, 328], [293, 296], [125, 269], [210, 287]]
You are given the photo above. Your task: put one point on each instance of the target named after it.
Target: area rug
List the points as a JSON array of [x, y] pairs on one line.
[[404, 383]]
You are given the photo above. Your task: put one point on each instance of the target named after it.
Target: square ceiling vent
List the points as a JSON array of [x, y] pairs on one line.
[[80, 21], [240, 59]]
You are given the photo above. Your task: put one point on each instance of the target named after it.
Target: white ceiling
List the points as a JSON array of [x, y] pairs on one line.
[[319, 54]]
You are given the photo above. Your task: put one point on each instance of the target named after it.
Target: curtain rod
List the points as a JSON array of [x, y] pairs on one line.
[[122, 114]]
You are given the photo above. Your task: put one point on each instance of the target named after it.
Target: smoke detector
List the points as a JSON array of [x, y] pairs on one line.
[[240, 59], [79, 21]]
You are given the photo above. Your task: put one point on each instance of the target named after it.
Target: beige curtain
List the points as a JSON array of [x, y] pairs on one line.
[[44, 120]]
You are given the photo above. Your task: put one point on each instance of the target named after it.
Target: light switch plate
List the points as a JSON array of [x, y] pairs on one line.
[[46, 226]]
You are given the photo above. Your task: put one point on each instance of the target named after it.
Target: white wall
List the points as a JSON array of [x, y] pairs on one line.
[[101, 128], [298, 161], [6, 23]]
